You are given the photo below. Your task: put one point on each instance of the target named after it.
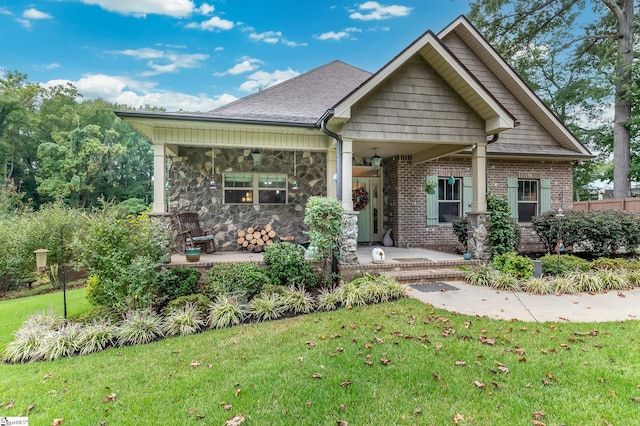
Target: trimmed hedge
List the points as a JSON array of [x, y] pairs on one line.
[[600, 233]]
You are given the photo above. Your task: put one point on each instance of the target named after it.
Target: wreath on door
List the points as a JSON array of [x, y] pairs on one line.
[[360, 198]]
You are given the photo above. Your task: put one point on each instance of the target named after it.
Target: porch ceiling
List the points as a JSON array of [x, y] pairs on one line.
[[420, 151]]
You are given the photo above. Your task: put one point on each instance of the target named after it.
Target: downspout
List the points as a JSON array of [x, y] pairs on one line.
[[494, 139], [338, 138]]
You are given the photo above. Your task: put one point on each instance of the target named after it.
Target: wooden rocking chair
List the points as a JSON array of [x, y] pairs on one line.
[[193, 235]]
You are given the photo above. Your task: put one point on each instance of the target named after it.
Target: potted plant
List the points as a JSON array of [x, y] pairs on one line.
[[461, 229], [192, 253], [430, 186]]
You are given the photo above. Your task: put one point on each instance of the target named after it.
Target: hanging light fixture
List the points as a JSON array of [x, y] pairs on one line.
[[294, 185], [375, 160], [213, 185], [257, 158]]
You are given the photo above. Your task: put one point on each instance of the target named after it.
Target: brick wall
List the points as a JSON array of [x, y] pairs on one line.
[[405, 200]]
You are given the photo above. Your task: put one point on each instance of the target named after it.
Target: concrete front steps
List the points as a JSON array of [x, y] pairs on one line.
[[409, 272]]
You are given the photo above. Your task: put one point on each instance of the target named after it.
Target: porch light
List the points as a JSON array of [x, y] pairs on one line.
[[41, 260], [375, 160], [257, 158]]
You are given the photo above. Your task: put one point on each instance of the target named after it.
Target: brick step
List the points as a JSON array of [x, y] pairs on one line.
[[424, 275], [347, 272]]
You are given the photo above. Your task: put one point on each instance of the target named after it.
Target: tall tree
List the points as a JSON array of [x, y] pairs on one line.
[[565, 37]]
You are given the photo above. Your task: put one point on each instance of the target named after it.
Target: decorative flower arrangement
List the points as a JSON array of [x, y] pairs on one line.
[[360, 199]]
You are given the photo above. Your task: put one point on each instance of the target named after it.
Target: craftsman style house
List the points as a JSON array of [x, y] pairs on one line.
[[447, 111]]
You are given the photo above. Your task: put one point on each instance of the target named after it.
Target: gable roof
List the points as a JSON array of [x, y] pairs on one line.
[[515, 84], [302, 99], [451, 70]]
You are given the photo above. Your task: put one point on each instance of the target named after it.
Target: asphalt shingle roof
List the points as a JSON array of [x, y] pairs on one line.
[[301, 100]]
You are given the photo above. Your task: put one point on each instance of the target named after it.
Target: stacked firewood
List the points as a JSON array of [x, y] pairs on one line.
[[256, 238]]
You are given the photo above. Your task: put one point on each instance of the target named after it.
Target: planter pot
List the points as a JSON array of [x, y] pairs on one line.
[[192, 254], [431, 191], [467, 256]]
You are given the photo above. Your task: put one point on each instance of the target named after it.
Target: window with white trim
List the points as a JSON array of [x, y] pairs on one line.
[[449, 199], [255, 188], [528, 198]]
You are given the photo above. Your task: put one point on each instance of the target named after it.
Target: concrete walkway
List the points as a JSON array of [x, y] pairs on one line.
[[487, 302]]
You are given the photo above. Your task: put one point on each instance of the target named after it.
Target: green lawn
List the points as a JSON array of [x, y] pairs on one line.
[[390, 364], [15, 311]]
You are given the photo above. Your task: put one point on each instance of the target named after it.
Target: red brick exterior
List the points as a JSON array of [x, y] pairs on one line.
[[405, 199]]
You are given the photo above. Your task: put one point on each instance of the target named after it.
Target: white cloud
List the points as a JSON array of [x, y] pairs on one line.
[[247, 65], [263, 79], [332, 35], [211, 24], [218, 49], [161, 61], [273, 37], [5, 11], [35, 14], [372, 10], [141, 8], [205, 9], [127, 91]]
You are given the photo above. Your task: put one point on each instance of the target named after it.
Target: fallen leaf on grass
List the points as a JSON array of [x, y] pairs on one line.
[[236, 420], [9, 404], [460, 363], [417, 412], [538, 423], [109, 398], [56, 422], [31, 407], [487, 341], [345, 383], [195, 364], [342, 423], [480, 385], [227, 407], [457, 417], [237, 392], [308, 404], [538, 414], [437, 377], [316, 376], [385, 361]]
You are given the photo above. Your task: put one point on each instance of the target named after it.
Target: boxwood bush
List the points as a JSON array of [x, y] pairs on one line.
[[553, 264], [287, 266], [241, 277]]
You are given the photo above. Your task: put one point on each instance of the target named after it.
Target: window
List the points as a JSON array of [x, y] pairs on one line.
[[527, 200], [253, 188], [449, 199]]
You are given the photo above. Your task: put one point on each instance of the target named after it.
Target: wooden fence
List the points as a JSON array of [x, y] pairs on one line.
[[620, 204]]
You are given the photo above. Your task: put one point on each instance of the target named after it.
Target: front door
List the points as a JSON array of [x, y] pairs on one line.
[[367, 201]]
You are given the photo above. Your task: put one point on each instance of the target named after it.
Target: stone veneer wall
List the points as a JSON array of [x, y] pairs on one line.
[[190, 174], [405, 200]]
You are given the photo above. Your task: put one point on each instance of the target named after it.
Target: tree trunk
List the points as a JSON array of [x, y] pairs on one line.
[[623, 11]]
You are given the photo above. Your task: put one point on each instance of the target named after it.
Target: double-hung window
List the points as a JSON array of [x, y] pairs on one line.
[[528, 197], [449, 199], [255, 188]]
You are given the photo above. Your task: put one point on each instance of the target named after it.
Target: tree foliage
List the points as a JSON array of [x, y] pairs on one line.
[[578, 57]]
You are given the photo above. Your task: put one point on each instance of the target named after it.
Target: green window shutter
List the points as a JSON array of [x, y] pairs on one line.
[[467, 193], [432, 203], [512, 196], [545, 195]]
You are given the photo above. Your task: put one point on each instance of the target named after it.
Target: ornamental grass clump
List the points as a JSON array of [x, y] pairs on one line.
[[538, 286], [227, 310], [138, 327], [504, 281], [478, 275], [565, 285], [183, 320], [328, 300], [59, 343], [612, 280], [586, 281], [297, 300], [26, 343], [96, 337], [266, 306], [350, 294]]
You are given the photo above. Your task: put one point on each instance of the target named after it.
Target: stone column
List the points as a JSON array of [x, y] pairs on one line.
[[349, 237], [159, 179], [478, 241]]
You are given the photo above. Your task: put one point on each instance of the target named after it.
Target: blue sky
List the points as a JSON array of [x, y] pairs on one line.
[[195, 56]]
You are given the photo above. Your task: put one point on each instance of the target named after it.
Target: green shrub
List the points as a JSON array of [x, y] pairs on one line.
[[200, 301], [504, 232], [226, 311], [176, 282], [287, 266], [242, 277], [599, 232], [183, 320], [553, 264], [122, 253], [511, 263], [461, 230], [324, 216], [106, 314], [602, 263]]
